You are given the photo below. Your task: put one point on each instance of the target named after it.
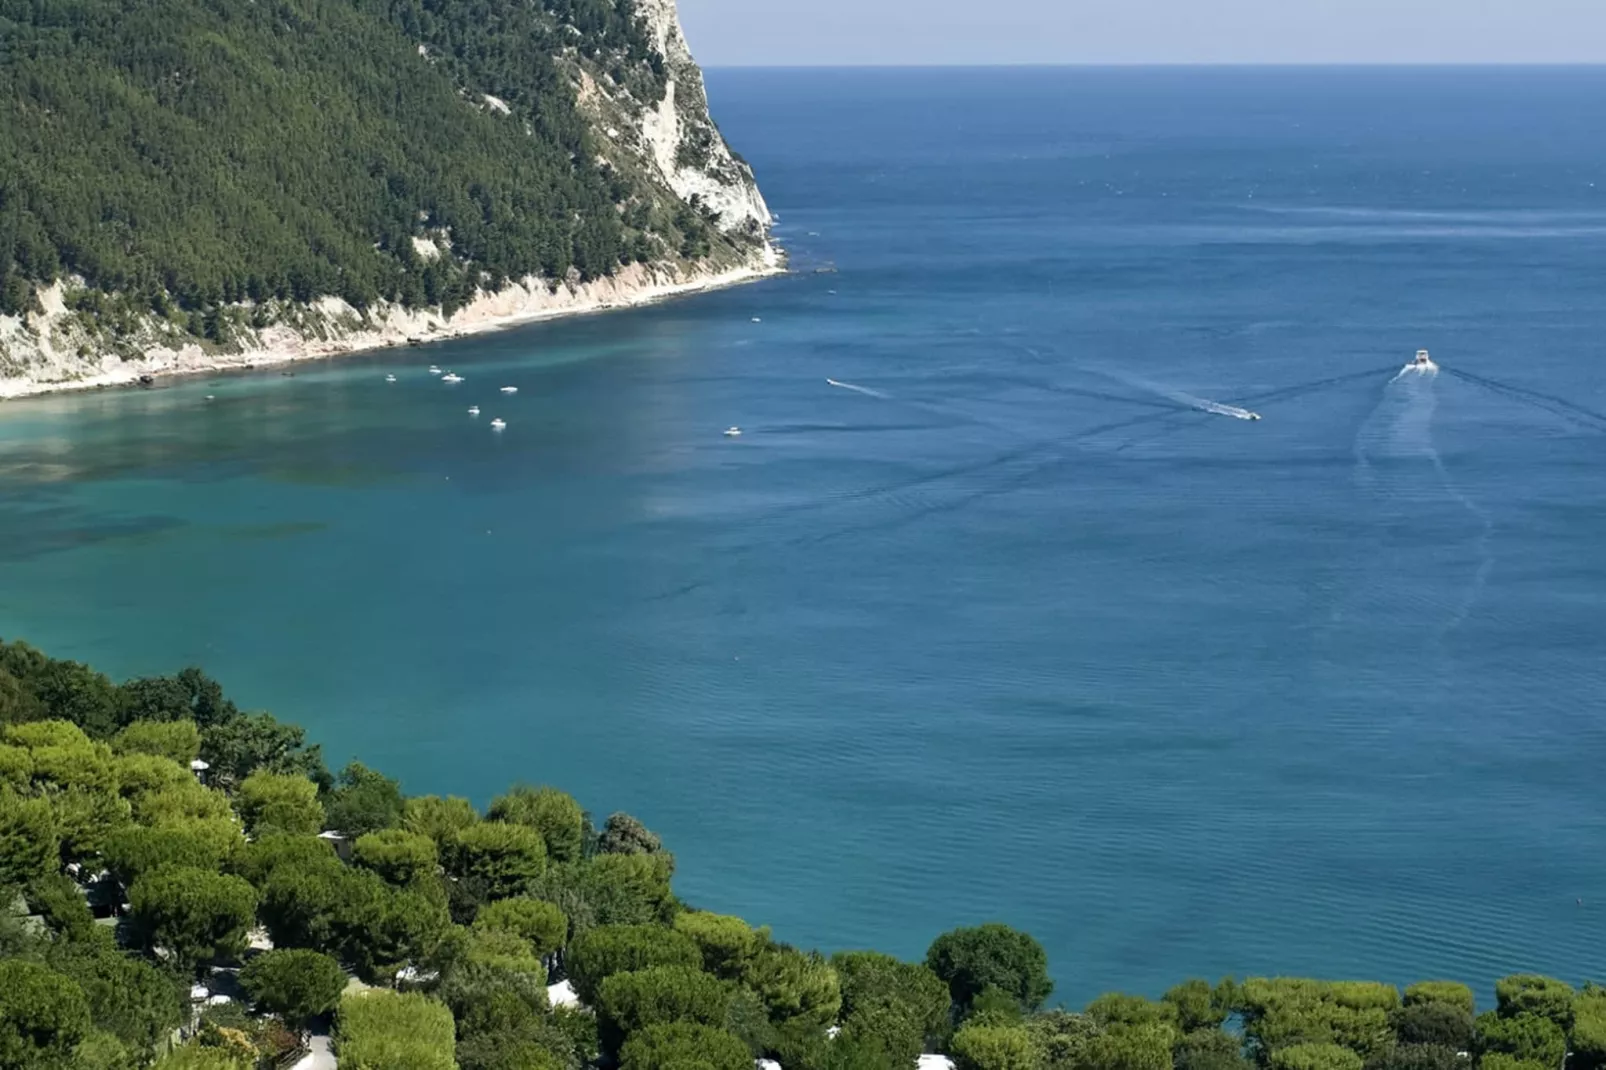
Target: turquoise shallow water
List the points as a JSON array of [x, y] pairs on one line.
[[1012, 631]]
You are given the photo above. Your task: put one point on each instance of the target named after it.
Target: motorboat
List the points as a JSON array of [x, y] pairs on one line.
[[732, 432], [510, 390], [1422, 360], [450, 377], [1253, 416], [757, 320], [474, 410], [390, 378], [433, 370], [498, 424]]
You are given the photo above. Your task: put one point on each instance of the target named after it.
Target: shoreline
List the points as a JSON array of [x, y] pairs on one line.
[[521, 303]]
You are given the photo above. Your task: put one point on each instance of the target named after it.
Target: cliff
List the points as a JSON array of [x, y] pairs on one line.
[[207, 183]]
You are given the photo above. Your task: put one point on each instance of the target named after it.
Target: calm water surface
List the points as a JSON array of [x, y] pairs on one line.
[[1012, 630]]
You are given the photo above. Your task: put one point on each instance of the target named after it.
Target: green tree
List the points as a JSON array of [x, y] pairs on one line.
[[629, 1002], [188, 695], [506, 858], [682, 1046], [985, 1047], [136, 850], [552, 813], [194, 914], [1209, 1049], [321, 905], [1444, 1024], [504, 951], [84, 818], [539, 924], [728, 943], [43, 1016], [379, 1030], [297, 983], [399, 856], [177, 741], [439, 819], [59, 901], [279, 802], [599, 953], [624, 835], [138, 774], [1118, 1008], [1452, 992], [991, 956], [1315, 1057], [1588, 1039], [1062, 1038], [30, 844], [902, 1004], [1528, 1037], [257, 860], [364, 801], [1529, 993], [795, 986], [1131, 1047], [129, 998], [235, 747], [16, 768], [1199, 1005]]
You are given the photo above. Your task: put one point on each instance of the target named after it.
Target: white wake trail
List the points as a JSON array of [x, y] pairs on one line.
[[856, 388]]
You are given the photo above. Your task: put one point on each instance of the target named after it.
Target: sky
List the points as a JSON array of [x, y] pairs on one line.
[[856, 32]]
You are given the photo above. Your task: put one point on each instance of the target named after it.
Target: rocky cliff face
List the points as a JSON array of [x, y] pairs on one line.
[[668, 150]]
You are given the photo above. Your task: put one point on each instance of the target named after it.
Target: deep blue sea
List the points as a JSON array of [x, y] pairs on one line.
[[1005, 625]]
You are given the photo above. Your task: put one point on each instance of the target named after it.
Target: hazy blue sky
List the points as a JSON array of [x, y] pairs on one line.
[[763, 32]]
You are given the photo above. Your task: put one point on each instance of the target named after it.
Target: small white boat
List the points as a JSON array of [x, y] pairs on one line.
[[474, 410], [449, 377], [390, 378], [757, 320], [498, 424], [732, 432], [510, 390], [1422, 360]]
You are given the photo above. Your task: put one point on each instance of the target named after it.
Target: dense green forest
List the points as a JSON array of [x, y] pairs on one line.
[[427, 939], [185, 155]]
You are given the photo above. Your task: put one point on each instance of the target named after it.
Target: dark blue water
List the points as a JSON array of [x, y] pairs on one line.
[[1012, 632]]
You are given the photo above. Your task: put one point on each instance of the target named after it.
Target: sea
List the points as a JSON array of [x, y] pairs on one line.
[[1000, 607]]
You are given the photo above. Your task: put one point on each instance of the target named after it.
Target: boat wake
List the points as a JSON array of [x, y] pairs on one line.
[[856, 388], [1220, 409]]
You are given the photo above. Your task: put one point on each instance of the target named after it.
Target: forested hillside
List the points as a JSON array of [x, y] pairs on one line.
[[154, 837], [181, 156]]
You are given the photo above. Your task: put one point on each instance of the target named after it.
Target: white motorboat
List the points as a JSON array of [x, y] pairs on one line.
[[390, 378], [510, 390], [732, 432], [434, 370], [498, 424], [450, 377], [474, 410]]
